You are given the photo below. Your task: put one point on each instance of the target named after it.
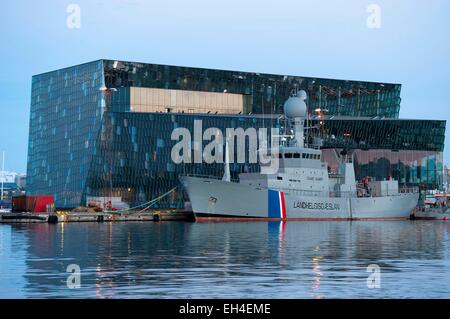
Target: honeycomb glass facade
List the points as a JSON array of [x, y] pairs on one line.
[[86, 141], [266, 92], [65, 120]]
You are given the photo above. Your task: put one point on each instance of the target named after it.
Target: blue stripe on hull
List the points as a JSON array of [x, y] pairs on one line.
[[274, 204]]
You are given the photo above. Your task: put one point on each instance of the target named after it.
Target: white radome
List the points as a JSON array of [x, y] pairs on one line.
[[295, 106]]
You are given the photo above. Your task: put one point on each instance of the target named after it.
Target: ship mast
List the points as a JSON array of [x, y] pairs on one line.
[[295, 109], [299, 131], [226, 174]]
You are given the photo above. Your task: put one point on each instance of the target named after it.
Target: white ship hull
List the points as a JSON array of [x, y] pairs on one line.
[[212, 198]]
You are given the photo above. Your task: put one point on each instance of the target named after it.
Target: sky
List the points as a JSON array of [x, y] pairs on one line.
[[402, 41]]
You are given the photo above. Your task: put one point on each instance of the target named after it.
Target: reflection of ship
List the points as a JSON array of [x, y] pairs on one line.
[[301, 188]]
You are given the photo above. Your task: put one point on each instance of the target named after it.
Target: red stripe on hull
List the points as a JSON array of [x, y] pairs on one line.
[[283, 206], [235, 219]]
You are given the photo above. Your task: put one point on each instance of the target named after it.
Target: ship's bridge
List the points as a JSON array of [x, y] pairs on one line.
[[296, 157], [298, 168], [297, 152]]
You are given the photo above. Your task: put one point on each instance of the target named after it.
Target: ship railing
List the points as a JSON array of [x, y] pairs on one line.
[[339, 194], [333, 194], [209, 177], [335, 175], [406, 190], [203, 176], [314, 147]]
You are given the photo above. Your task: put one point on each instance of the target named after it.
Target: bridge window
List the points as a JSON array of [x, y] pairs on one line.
[[288, 155], [296, 155]]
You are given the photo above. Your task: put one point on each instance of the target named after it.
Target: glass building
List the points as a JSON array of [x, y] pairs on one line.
[[104, 128]]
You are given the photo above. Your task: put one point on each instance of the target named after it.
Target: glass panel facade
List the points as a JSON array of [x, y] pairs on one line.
[[384, 134], [65, 118], [266, 92], [409, 167], [136, 164]]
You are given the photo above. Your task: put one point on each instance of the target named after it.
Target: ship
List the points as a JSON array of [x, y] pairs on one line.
[[302, 188]]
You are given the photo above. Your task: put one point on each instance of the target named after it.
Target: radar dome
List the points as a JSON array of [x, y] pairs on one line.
[[295, 106]]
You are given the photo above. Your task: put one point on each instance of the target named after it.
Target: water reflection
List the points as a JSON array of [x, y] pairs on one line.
[[235, 260]]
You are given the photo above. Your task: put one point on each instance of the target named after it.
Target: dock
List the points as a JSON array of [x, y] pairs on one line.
[[65, 217]]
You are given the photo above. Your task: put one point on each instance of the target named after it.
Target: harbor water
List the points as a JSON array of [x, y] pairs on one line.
[[410, 259]]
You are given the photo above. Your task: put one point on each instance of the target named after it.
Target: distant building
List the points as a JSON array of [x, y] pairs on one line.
[[12, 184], [104, 128], [13, 180], [21, 181], [447, 177]]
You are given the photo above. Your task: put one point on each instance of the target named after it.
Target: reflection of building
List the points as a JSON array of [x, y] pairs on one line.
[[409, 151], [12, 184], [104, 128], [295, 260]]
